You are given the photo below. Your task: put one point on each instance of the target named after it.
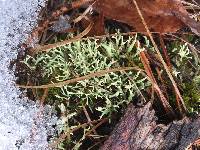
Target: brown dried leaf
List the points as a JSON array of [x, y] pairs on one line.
[[98, 26], [161, 15]]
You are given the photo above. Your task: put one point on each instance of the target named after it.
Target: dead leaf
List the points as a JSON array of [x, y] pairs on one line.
[[98, 26], [161, 15]]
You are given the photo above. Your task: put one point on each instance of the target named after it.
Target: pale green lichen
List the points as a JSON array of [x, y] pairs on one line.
[[105, 94], [83, 57], [108, 93]]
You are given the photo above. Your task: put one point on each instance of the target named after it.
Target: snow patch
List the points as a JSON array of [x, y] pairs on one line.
[[17, 116]]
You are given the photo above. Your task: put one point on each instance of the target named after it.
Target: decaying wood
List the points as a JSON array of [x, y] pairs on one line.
[[138, 130]]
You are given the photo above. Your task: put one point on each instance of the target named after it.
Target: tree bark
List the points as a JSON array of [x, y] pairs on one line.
[[138, 130]]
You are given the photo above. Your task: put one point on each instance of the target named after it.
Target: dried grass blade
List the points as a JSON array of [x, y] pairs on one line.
[[154, 83], [44, 24], [91, 75], [167, 58], [160, 56], [48, 47], [63, 136]]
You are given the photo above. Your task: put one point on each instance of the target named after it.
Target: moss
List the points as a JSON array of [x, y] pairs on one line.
[[191, 96]]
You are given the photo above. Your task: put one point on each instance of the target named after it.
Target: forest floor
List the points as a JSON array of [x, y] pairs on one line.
[[114, 69]]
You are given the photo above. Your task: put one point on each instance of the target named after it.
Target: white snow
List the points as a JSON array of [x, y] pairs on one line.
[[17, 18]]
